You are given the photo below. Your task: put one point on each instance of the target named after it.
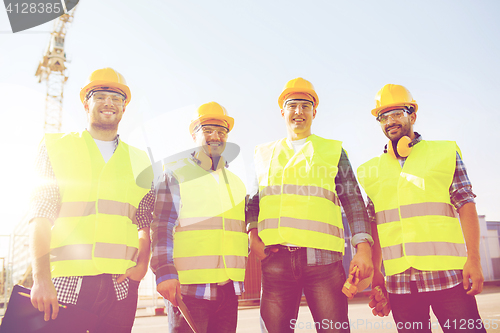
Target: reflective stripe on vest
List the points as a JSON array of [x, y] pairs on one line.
[[290, 222], [82, 208], [413, 210], [297, 194], [203, 223], [416, 222], [313, 191], [84, 252], [424, 249], [209, 262]]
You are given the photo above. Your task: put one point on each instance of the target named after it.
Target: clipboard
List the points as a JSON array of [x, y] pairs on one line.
[[185, 313], [21, 316]]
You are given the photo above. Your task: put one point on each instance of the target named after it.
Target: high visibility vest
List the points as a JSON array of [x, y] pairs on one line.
[[416, 222], [210, 240], [96, 230], [297, 195]]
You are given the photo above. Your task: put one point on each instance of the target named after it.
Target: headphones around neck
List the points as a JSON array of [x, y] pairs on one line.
[[402, 149]]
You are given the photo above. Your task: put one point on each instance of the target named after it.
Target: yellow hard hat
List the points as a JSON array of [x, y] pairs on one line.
[[393, 95], [208, 111], [298, 85], [106, 78]]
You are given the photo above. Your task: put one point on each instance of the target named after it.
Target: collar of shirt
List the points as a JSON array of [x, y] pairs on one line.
[[116, 140]]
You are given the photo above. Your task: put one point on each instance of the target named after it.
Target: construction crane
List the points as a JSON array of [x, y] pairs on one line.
[[52, 69]]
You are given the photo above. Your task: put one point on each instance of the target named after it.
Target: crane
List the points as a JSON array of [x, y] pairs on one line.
[[52, 70]]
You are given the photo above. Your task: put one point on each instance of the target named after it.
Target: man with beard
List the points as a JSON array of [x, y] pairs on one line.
[[295, 220], [414, 188], [198, 231], [89, 220]]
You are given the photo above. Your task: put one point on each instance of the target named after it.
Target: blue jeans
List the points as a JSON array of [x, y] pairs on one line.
[[455, 310], [98, 296], [285, 275], [216, 316]]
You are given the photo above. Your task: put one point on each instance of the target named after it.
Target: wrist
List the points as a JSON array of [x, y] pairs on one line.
[[363, 247], [474, 256], [253, 233]]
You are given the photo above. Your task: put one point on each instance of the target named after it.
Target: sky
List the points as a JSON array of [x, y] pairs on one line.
[[177, 55]]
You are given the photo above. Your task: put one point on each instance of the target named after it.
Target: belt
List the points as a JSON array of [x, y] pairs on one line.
[[289, 248]]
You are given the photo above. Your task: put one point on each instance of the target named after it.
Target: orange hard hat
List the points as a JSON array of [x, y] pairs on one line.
[[106, 78], [298, 85], [208, 111], [393, 95]]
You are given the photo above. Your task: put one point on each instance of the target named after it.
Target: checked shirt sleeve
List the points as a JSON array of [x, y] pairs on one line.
[[165, 214], [144, 213], [45, 200], [352, 202], [252, 207], [461, 188]]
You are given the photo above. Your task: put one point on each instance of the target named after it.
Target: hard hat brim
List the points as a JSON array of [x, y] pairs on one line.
[[376, 111], [102, 83], [289, 91], [197, 121]]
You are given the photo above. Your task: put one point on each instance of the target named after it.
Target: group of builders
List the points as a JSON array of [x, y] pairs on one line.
[[99, 220]]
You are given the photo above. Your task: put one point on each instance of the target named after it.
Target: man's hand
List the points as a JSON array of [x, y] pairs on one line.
[[44, 297], [473, 270], [168, 289], [135, 273], [363, 259], [378, 295], [43, 293], [379, 302], [257, 245], [470, 228]]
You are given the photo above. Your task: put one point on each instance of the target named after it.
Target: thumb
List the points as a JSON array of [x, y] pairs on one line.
[[466, 281], [122, 277]]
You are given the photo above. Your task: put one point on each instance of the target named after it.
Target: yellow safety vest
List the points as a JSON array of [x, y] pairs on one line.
[[416, 222], [96, 230], [297, 195], [210, 241]]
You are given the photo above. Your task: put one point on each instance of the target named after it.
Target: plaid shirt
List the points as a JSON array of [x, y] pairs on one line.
[[460, 194], [45, 202], [165, 219], [352, 202]]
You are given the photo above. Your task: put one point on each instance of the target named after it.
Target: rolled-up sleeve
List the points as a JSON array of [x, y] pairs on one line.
[[350, 196], [165, 215]]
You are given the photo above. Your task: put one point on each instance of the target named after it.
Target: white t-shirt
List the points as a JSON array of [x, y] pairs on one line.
[[107, 148]]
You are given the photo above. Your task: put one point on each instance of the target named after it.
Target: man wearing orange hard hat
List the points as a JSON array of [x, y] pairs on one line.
[[198, 232], [415, 189], [90, 215], [295, 220]]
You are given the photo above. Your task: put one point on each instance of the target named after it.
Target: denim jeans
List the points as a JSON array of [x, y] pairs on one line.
[[455, 310], [285, 275], [216, 316], [98, 296]]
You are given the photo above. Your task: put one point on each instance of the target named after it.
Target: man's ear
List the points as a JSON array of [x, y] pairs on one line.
[[413, 117], [282, 113], [314, 113], [86, 105]]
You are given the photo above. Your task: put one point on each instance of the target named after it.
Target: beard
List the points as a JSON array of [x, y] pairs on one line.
[[105, 127]]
